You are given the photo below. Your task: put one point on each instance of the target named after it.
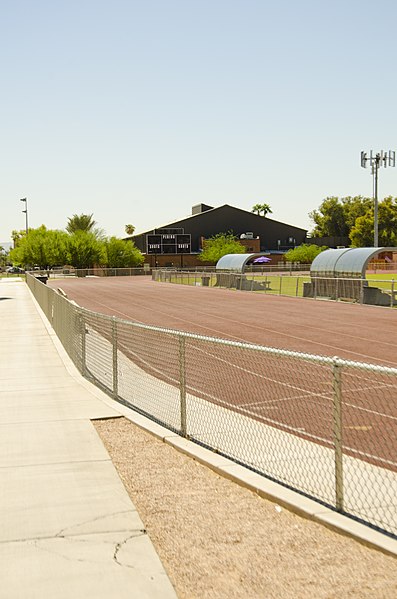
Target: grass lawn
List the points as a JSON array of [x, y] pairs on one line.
[[382, 280], [280, 284]]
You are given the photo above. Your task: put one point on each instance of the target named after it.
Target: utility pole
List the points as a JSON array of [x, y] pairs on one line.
[[26, 213], [376, 161]]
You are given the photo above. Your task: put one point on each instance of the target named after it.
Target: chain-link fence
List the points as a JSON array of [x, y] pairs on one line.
[[97, 271], [325, 427], [378, 292]]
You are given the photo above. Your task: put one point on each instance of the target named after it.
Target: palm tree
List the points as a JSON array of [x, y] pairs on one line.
[[256, 208], [16, 236], [82, 222], [264, 208], [129, 229]]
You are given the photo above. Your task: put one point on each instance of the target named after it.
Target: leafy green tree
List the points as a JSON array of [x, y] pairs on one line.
[[219, 245], [354, 207], [337, 216], [261, 208], [387, 222], [305, 253], [41, 247], [121, 254], [362, 234], [329, 219], [84, 250], [57, 248]]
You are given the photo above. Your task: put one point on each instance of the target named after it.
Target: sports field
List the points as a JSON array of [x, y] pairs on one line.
[[288, 394], [355, 332]]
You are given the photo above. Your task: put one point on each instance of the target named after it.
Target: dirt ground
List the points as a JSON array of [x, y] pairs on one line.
[[219, 540]]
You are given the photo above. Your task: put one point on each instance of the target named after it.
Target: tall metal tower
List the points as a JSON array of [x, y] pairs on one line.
[[376, 161]]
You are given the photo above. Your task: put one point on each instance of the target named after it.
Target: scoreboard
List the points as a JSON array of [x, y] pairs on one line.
[[168, 241]]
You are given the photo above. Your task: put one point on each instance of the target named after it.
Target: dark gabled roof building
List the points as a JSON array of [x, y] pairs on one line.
[[206, 221]]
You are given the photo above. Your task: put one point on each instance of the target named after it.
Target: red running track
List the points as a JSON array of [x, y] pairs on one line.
[[351, 331], [285, 393]]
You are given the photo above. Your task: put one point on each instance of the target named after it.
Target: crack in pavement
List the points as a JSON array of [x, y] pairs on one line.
[[141, 532], [63, 532], [38, 544]]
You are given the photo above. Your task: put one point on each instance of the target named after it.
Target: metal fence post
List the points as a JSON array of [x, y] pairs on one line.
[[392, 294], [362, 291], [115, 364], [83, 346], [338, 444], [182, 385]]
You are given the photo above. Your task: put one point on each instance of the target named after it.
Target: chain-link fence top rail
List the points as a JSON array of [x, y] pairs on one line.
[[378, 292], [62, 272], [324, 426]]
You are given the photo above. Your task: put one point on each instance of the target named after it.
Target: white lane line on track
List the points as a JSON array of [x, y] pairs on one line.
[[306, 340], [157, 311], [307, 393], [337, 349], [307, 326], [251, 413], [221, 333], [295, 387]]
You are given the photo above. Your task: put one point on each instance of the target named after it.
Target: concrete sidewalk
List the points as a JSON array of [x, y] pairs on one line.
[[67, 527]]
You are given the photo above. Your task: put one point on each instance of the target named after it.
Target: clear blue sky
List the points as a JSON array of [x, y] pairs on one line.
[[136, 110]]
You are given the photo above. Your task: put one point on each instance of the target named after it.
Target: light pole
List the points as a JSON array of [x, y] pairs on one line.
[[26, 213], [380, 159]]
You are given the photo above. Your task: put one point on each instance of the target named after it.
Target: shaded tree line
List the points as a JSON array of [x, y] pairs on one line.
[[353, 217], [81, 245]]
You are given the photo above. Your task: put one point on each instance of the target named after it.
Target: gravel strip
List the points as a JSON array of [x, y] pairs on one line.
[[219, 540]]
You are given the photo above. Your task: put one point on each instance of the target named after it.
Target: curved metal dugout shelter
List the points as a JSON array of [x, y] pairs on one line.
[[345, 263], [340, 273], [236, 262]]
